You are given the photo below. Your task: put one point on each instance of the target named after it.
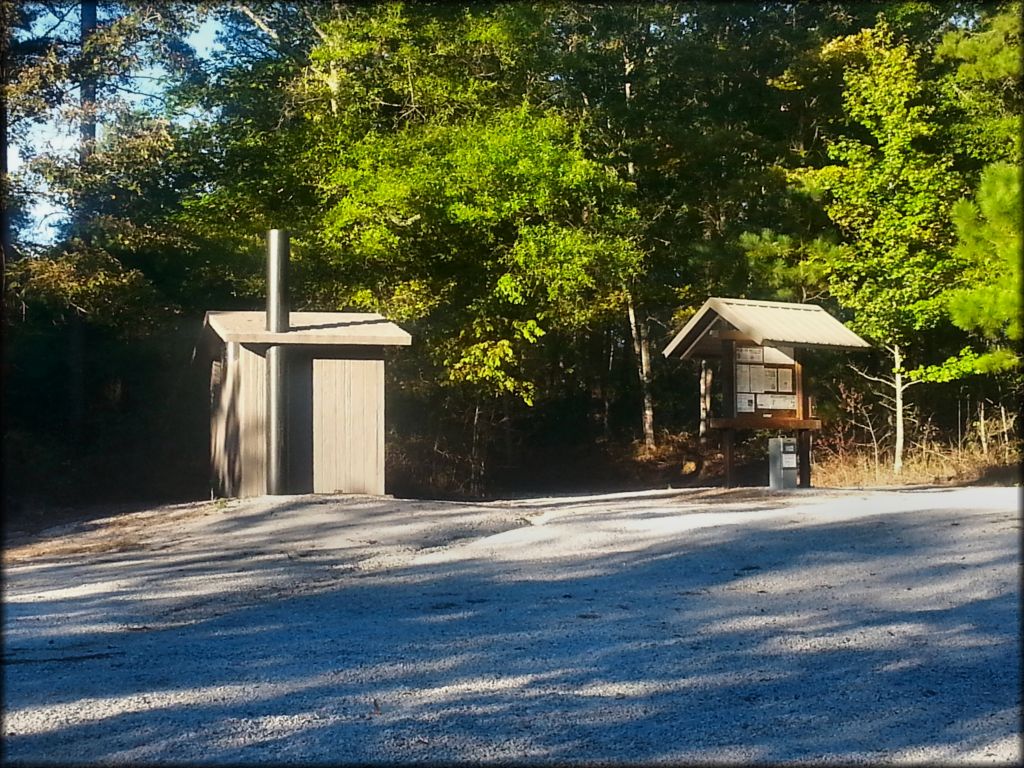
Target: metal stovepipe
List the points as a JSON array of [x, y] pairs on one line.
[[277, 363]]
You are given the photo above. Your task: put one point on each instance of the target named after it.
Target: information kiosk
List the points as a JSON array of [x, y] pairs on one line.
[[761, 376]]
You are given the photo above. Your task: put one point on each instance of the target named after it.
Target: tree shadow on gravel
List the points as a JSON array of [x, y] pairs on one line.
[[728, 644]]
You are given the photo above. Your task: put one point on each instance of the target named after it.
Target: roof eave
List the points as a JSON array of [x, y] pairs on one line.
[[295, 339], [298, 336], [812, 345], [692, 323], [723, 310]]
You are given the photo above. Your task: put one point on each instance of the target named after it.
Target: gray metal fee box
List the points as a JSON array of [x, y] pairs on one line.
[[782, 463]]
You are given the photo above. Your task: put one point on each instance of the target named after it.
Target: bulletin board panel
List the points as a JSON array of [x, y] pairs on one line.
[[766, 382]]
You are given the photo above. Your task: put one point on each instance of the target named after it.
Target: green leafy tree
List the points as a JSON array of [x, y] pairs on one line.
[[890, 193], [535, 190], [990, 232], [83, 65], [678, 98], [984, 102], [421, 177], [485, 235], [982, 94], [71, 306]]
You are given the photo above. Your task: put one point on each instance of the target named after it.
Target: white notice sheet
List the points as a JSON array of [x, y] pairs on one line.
[[786, 402], [776, 402], [749, 354], [756, 378], [785, 379], [742, 378]]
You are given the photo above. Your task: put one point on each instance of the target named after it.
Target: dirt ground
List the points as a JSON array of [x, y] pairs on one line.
[[695, 626]]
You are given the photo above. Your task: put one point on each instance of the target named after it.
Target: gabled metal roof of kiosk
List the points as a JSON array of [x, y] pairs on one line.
[[763, 322], [334, 328]]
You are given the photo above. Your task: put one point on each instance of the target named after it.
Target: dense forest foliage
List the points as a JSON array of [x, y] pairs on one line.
[[541, 194]]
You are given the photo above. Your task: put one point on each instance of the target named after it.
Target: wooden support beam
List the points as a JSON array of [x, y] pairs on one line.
[[727, 455], [803, 457], [705, 401], [728, 374], [798, 385], [754, 421], [733, 336]]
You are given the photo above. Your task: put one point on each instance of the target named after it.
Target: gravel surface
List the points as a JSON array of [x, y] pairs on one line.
[[698, 626]]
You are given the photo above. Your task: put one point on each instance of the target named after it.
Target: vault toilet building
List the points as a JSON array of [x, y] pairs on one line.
[[296, 398]]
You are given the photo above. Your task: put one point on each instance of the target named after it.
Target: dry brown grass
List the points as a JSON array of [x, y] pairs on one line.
[[118, 533], [923, 464]]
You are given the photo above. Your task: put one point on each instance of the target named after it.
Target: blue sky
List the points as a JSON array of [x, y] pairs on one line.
[[44, 216]]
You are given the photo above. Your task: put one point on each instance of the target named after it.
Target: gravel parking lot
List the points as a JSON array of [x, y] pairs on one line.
[[696, 626]]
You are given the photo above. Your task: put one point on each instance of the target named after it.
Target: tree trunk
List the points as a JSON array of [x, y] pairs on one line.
[[476, 456], [959, 429], [76, 378], [606, 385], [898, 387], [506, 432], [705, 400], [982, 433], [87, 136], [1006, 432], [87, 127], [87, 142], [642, 347], [6, 236]]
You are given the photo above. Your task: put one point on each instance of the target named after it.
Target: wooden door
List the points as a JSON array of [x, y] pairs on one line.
[[348, 426]]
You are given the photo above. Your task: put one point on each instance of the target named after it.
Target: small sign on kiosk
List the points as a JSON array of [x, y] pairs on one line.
[[761, 377]]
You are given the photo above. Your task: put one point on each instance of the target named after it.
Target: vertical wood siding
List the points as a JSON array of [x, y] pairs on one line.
[[336, 424], [252, 406], [348, 426], [225, 464], [217, 458]]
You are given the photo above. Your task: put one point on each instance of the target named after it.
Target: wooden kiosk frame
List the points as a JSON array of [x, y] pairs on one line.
[[760, 345]]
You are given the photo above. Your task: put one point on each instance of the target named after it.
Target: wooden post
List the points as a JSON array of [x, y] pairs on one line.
[[798, 385], [728, 374], [803, 454], [705, 399], [727, 443], [803, 411]]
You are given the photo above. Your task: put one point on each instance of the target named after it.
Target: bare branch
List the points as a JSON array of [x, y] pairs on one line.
[[272, 34], [312, 23], [61, 18], [319, 32], [859, 372], [134, 92]]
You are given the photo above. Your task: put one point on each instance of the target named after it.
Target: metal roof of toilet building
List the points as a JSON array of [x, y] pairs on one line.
[[320, 328]]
